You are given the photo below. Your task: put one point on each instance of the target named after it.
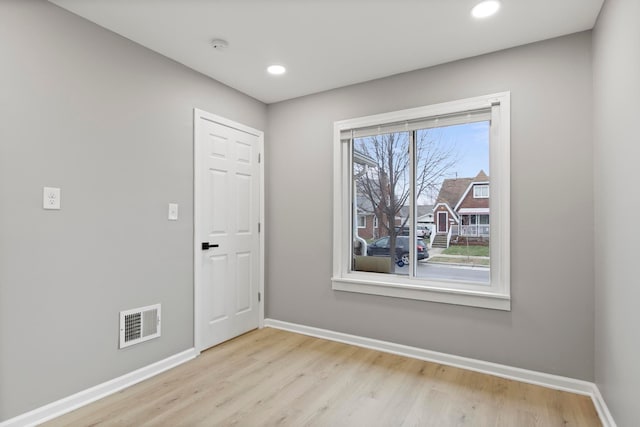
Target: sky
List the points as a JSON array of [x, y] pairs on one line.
[[467, 146], [471, 143]]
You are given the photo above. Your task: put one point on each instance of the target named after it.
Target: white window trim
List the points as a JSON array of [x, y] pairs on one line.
[[364, 221], [495, 296]]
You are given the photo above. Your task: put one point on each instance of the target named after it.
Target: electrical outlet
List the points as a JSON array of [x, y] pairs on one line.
[[51, 198]]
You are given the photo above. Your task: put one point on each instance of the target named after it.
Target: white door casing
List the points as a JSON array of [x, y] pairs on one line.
[[228, 209]]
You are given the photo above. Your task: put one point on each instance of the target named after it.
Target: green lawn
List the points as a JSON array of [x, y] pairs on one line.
[[461, 260], [467, 250]]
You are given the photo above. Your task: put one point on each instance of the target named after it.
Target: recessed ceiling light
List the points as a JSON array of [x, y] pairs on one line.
[[485, 9], [276, 70]]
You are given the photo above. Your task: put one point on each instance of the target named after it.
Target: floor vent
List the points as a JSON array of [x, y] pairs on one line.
[[139, 325]]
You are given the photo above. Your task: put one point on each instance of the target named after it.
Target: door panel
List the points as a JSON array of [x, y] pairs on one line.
[[216, 309], [217, 185], [243, 208], [442, 222], [228, 192], [243, 296]]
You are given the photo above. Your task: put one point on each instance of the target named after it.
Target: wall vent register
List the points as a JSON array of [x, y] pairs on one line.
[[139, 324]]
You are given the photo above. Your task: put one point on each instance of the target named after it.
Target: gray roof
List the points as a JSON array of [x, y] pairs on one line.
[[364, 205], [452, 189], [422, 210]]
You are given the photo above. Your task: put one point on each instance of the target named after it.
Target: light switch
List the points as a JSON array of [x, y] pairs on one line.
[[173, 211], [51, 198]]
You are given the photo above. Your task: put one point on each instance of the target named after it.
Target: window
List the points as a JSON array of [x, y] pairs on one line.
[[375, 222], [362, 221], [397, 163], [481, 191]]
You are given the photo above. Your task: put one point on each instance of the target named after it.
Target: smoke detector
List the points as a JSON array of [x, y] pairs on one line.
[[219, 44]]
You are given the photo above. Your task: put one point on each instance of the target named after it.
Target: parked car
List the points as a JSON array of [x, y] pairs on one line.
[[381, 247], [402, 231], [423, 230]]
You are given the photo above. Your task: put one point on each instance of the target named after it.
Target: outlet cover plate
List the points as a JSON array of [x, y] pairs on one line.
[[51, 198]]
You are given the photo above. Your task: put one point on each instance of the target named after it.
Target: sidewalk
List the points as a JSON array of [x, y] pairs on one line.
[[437, 257]]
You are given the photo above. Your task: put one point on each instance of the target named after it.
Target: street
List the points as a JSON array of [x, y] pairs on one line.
[[440, 271]]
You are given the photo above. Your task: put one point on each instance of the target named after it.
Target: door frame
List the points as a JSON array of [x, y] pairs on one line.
[[198, 221]]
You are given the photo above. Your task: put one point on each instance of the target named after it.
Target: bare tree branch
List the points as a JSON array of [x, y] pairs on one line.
[[387, 185]]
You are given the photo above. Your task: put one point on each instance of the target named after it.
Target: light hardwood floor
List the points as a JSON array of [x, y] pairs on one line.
[[270, 377]]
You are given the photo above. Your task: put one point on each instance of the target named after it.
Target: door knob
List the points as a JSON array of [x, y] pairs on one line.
[[207, 245]]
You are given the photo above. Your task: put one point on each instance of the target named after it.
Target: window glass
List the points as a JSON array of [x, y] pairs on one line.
[[446, 163], [382, 186], [481, 191], [449, 160]]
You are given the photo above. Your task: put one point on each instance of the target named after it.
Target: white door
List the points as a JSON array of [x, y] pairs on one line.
[[227, 257]]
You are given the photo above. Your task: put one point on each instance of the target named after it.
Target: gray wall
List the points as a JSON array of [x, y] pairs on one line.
[[111, 124], [617, 201], [550, 327]]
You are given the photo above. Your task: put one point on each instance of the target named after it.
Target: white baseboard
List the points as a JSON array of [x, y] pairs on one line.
[[518, 374], [603, 410], [75, 401]]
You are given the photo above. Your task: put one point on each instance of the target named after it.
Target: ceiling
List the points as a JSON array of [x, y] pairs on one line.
[[327, 44]]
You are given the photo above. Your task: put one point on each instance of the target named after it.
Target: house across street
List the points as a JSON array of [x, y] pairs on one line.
[[462, 211]]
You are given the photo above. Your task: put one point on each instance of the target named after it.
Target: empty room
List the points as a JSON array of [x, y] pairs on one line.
[[323, 213]]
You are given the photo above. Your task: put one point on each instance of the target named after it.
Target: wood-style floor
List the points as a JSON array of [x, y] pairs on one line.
[[270, 377]]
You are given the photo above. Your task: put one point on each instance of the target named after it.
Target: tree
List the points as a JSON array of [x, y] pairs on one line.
[[387, 186]]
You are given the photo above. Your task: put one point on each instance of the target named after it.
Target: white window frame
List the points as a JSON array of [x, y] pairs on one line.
[[375, 221], [364, 221], [496, 295], [477, 194]]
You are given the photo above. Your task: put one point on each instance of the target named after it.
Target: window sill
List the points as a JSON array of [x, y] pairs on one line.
[[417, 292]]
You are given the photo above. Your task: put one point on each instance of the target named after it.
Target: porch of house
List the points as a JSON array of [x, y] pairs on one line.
[[473, 229]]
